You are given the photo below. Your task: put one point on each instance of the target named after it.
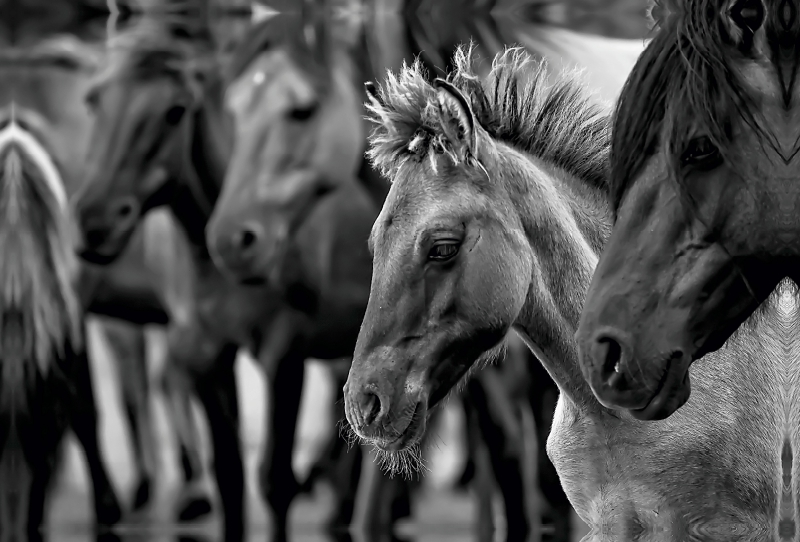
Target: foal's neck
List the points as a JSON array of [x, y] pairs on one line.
[[566, 222]]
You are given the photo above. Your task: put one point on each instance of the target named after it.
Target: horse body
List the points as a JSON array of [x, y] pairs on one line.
[[705, 198], [45, 370], [498, 210]]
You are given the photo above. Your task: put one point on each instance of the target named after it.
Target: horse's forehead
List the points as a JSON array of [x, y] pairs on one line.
[[272, 71]]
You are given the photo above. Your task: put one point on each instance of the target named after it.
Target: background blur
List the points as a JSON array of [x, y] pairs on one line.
[[601, 37]]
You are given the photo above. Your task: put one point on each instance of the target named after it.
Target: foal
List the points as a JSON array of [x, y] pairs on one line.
[[45, 382], [498, 210]]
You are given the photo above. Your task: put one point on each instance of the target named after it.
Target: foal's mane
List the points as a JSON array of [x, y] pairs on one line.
[[683, 77], [515, 104], [39, 311]]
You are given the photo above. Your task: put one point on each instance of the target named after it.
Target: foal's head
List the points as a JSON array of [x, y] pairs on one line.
[[142, 104], [298, 135], [452, 261], [704, 181]]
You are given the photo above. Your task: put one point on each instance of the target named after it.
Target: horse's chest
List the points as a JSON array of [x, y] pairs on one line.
[[632, 480]]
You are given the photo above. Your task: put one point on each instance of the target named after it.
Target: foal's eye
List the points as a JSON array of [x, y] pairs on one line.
[[175, 114], [702, 153], [303, 113], [442, 251]]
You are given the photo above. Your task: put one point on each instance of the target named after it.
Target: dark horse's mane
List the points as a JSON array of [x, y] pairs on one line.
[[40, 315], [515, 104], [684, 76]]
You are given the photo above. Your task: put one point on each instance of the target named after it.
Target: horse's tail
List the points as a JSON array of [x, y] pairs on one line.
[[40, 316]]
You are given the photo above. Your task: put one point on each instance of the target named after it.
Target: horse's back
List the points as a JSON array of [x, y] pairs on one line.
[[714, 467]]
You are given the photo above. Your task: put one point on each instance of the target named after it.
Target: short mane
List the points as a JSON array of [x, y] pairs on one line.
[[515, 104], [683, 75], [40, 315]]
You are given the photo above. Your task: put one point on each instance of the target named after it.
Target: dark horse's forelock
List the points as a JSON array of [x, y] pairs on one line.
[[684, 78], [515, 104], [39, 311]]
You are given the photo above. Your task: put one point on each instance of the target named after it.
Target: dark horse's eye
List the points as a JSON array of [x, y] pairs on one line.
[[303, 113], [702, 153], [443, 251], [175, 114]]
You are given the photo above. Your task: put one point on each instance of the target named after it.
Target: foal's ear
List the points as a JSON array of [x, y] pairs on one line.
[[458, 121]]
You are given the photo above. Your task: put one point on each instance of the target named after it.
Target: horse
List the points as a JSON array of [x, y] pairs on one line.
[[704, 199], [46, 382], [50, 79], [499, 208], [291, 206], [164, 103]]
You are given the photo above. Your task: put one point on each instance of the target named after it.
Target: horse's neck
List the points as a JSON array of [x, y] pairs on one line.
[[564, 223], [200, 180]]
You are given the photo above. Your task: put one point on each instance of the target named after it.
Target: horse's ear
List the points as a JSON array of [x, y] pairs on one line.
[[742, 20], [457, 119]]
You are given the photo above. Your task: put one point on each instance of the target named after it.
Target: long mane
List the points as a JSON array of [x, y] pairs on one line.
[[515, 104], [40, 315], [685, 76]]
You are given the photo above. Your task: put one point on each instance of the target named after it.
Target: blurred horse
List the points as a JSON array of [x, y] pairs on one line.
[[49, 82], [499, 207], [162, 100], [705, 198], [46, 383]]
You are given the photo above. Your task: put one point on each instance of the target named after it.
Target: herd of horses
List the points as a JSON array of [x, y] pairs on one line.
[[223, 192]]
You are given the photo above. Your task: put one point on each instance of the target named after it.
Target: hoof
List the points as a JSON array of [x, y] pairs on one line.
[[142, 495], [195, 508], [108, 510]]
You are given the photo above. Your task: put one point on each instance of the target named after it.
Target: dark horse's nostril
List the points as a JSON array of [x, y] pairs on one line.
[[370, 407], [609, 352]]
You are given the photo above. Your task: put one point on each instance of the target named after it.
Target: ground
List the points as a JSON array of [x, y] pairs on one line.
[[439, 514]]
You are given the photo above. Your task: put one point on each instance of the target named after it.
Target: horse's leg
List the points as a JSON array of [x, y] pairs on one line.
[[343, 463], [502, 430], [177, 388], [216, 389], [83, 418], [543, 397], [127, 342], [483, 484], [284, 382]]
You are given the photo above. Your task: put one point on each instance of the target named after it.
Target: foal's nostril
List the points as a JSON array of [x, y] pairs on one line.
[[125, 210], [370, 406]]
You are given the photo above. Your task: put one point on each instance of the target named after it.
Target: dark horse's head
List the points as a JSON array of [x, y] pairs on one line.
[[143, 105], [704, 191], [39, 310]]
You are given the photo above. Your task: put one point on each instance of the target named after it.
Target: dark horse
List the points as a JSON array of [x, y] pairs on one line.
[[705, 193], [498, 211], [45, 381]]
